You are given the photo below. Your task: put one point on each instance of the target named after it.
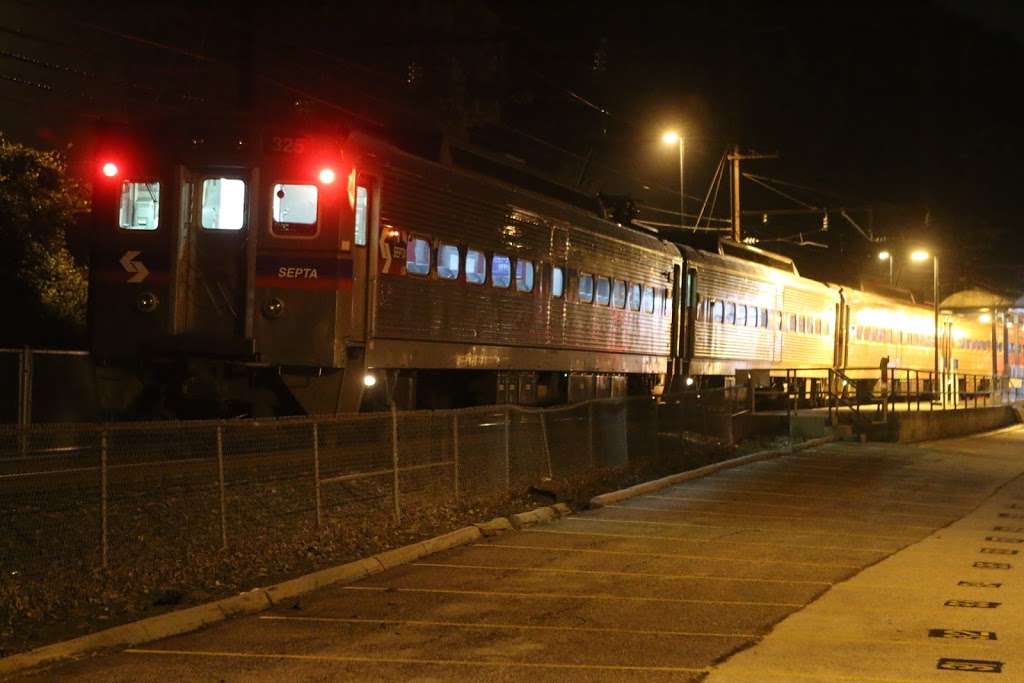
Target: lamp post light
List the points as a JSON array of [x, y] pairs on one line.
[[671, 138], [886, 256], [920, 256]]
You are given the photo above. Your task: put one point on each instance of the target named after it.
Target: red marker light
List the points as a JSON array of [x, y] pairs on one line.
[[327, 176], [110, 169]]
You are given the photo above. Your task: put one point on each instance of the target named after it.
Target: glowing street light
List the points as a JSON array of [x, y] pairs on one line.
[[919, 256], [672, 138], [886, 256]]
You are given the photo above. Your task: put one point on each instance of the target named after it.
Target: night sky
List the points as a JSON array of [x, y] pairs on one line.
[[900, 112]]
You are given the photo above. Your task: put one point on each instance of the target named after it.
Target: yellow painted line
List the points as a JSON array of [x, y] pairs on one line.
[[719, 541], [805, 508], [513, 627], [675, 556], [816, 518], [853, 499], [571, 596], [597, 572], [501, 664]]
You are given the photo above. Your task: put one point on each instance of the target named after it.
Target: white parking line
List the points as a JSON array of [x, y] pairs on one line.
[[763, 517], [514, 627], [598, 572], [571, 596]]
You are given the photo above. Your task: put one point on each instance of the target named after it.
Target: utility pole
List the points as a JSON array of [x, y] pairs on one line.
[[735, 157]]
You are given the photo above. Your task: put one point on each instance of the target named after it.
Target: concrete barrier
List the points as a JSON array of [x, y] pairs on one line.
[[944, 424]]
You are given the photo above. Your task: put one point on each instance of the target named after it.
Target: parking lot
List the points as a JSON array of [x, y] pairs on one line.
[[665, 586]]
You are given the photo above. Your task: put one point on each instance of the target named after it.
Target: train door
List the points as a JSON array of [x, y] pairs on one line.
[[216, 253]]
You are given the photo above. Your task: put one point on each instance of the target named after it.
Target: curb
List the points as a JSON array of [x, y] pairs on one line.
[[700, 472], [259, 599]]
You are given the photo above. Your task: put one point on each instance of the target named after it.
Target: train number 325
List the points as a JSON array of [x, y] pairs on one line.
[[287, 145]]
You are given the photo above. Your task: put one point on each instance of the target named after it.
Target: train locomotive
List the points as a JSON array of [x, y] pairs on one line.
[[245, 269]]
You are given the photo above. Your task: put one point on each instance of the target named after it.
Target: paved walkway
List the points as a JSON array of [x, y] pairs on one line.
[[848, 546]]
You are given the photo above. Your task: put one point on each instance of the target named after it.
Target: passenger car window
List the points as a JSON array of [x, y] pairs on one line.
[[476, 267], [817, 326], [448, 262], [586, 288], [223, 206], [501, 271], [764, 318], [658, 301], [730, 313], [619, 294], [634, 297], [417, 256], [741, 315], [792, 322], [603, 291], [648, 300], [717, 311], [557, 281], [362, 203], [524, 275], [294, 210], [140, 206]]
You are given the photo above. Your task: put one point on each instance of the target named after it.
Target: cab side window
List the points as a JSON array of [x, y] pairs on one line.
[[140, 205], [294, 210]]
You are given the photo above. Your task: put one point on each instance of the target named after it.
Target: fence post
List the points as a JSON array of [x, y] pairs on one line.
[[455, 452], [547, 446], [394, 459], [24, 399], [104, 553], [316, 474], [590, 434], [508, 450], [220, 484]]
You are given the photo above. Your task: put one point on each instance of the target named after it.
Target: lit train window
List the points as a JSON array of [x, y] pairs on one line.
[[633, 299], [501, 271], [448, 262], [140, 206], [817, 326], [778, 320], [764, 318], [741, 315], [557, 281], [294, 210], [586, 288], [362, 202], [792, 322], [659, 302], [619, 294], [603, 291], [802, 324], [717, 311], [524, 275], [417, 256], [223, 204], [752, 313], [826, 328], [730, 313], [648, 300], [476, 267]]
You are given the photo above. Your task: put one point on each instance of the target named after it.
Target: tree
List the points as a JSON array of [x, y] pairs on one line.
[[42, 286]]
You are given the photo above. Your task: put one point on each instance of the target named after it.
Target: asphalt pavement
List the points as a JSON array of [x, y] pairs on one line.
[[834, 564]]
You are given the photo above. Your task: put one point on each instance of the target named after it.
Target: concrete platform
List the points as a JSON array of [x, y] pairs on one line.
[[833, 564]]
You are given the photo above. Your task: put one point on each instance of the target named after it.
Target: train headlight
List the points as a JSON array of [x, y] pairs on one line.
[[273, 308], [369, 379], [147, 302], [689, 381]]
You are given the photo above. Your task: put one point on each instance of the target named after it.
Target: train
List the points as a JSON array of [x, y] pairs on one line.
[[243, 268]]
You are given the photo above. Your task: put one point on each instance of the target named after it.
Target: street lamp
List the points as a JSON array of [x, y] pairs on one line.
[[671, 138], [920, 256], [886, 256]]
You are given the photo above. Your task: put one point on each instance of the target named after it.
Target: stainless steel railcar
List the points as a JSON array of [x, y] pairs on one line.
[[256, 271]]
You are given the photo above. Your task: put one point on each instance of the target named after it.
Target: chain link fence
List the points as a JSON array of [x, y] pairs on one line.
[[86, 496]]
